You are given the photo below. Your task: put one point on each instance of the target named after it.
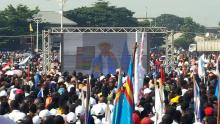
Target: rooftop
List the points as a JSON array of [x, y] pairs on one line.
[[54, 18]]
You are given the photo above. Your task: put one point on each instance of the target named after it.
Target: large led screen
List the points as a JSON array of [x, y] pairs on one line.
[[99, 52]]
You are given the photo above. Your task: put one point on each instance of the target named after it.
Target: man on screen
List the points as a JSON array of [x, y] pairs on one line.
[[106, 62]]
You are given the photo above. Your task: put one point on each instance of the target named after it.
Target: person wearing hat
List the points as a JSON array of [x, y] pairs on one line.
[[3, 96], [146, 120], [71, 118], [14, 105]]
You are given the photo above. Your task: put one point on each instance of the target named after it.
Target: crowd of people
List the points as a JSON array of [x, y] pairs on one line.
[[34, 97]]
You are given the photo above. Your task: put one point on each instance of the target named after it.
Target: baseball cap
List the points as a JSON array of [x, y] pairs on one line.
[[208, 111], [44, 113], [3, 93], [19, 117], [71, 117], [146, 120], [19, 91], [147, 91], [97, 110], [79, 110], [36, 120], [53, 112]]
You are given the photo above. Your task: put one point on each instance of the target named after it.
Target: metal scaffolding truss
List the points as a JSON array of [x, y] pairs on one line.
[[109, 29], [46, 50], [169, 53], [56, 30]]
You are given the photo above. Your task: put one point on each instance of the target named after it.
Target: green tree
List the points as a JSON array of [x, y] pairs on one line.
[[172, 22], [13, 21], [101, 14], [16, 19], [189, 29], [144, 23]]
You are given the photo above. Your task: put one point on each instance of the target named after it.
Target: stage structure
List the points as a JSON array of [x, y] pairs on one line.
[[87, 48]]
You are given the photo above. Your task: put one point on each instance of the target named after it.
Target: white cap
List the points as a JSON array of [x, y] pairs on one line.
[[53, 112], [140, 109], [12, 94], [92, 101], [147, 91], [19, 117], [69, 87], [97, 110], [60, 80], [79, 110], [3, 93], [102, 77], [36, 120], [44, 113], [97, 121], [103, 105], [71, 117]]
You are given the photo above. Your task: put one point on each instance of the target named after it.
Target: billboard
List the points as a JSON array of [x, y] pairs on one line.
[[98, 52]]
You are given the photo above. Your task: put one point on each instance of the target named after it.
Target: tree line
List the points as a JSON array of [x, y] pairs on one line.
[[13, 21]]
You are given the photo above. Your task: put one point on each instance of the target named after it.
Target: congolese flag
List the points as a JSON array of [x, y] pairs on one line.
[[124, 100]]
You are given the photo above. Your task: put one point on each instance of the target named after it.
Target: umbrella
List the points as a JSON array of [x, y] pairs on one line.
[[18, 72], [9, 72]]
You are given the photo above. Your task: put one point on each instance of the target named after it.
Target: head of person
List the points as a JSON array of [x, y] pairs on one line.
[[105, 48]]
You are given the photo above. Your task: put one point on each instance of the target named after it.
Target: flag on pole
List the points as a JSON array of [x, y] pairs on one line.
[[162, 75], [197, 109], [139, 71], [218, 81], [87, 114], [24, 61], [6, 66], [40, 93], [30, 27], [127, 98], [124, 100], [118, 101], [159, 103], [217, 87], [125, 57], [201, 69], [28, 72], [108, 115]]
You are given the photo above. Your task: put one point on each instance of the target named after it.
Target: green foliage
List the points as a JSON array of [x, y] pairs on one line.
[[145, 23], [184, 41], [103, 15], [172, 22], [16, 19], [13, 22], [189, 29]]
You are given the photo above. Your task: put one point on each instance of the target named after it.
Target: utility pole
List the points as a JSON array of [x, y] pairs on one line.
[[37, 18], [61, 33]]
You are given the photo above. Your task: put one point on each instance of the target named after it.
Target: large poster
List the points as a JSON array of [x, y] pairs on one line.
[[98, 52], [84, 57]]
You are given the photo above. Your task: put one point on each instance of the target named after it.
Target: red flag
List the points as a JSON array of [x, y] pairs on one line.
[[162, 75], [28, 73]]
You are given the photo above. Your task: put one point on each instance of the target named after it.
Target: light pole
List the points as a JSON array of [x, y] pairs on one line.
[[61, 3], [37, 18]]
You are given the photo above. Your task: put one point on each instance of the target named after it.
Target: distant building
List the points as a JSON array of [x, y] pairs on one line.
[[52, 19], [214, 30]]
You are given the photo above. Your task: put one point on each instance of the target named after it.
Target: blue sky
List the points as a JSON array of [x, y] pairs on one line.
[[206, 12]]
